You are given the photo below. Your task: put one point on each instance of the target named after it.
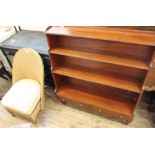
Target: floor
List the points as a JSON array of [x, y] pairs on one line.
[[56, 115]]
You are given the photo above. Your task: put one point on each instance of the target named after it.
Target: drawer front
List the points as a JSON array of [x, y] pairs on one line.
[[150, 79]]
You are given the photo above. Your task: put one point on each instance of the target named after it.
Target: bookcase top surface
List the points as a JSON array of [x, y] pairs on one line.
[[133, 35]]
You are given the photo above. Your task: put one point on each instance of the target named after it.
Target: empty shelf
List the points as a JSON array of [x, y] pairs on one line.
[[102, 58], [103, 102], [105, 79]]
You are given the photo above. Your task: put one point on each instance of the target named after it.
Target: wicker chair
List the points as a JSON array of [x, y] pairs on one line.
[[26, 96]]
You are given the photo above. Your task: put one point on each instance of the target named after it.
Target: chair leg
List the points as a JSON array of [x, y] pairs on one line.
[[33, 120], [8, 74], [4, 77], [12, 114], [4, 73]]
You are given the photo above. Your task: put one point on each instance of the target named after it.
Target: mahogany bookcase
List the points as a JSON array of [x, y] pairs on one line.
[[102, 70]]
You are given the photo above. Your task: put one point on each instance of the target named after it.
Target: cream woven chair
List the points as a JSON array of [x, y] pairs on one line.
[[26, 96]]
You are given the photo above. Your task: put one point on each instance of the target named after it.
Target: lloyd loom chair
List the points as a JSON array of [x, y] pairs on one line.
[[26, 96]]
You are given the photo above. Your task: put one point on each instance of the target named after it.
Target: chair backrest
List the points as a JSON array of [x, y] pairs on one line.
[[27, 64]]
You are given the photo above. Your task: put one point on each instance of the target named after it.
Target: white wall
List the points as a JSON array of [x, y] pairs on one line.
[[34, 28], [6, 32]]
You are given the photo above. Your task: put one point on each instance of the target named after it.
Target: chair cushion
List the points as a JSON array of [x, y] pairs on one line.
[[23, 96]]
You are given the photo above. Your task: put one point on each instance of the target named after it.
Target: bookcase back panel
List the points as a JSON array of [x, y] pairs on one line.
[[99, 67], [99, 90], [105, 47], [110, 92]]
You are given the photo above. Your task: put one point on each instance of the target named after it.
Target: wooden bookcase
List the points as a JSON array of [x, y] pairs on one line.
[[102, 70]]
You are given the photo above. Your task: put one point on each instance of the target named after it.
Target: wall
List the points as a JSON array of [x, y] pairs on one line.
[[34, 28]]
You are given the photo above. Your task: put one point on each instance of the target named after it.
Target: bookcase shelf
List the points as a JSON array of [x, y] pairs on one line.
[[124, 109], [139, 64], [125, 83], [101, 70]]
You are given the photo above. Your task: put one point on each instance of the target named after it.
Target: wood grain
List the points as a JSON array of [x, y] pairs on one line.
[[150, 79], [119, 35], [104, 79], [102, 58], [101, 68], [113, 107]]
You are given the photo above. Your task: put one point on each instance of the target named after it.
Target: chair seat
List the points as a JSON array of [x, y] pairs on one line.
[[23, 96]]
